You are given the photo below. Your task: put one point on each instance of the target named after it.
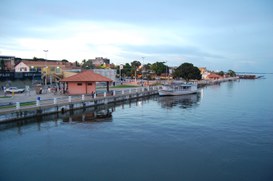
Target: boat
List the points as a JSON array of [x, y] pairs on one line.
[[175, 89]]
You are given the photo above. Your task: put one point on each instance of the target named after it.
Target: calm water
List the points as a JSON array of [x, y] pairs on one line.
[[225, 133]]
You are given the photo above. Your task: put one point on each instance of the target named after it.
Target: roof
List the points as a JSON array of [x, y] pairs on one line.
[[60, 64], [214, 76], [86, 76], [41, 63]]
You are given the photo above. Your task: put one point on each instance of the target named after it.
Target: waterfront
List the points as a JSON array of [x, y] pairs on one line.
[[225, 133]]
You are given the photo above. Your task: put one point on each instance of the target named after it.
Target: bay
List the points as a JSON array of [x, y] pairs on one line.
[[223, 133]]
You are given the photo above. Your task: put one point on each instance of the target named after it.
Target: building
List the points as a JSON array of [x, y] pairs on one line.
[[109, 73], [84, 82], [7, 63], [100, 61], [204, 72], [213, 76], [52, 71]]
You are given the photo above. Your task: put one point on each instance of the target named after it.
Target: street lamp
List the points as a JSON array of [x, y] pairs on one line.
[[45, 53], [120, 68], [45, 66]]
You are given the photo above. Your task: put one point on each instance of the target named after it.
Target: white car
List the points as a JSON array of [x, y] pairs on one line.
[[14, 89]]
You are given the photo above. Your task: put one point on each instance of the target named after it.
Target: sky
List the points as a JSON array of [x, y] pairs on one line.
[[218, 35]]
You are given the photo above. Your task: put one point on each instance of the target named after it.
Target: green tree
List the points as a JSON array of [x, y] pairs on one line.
[[231, 73], [126, 70], [159, 68], [88, 65], [187, 71], [64, 60], [2, 65], [134, 67], [77, 64], [222, 73]]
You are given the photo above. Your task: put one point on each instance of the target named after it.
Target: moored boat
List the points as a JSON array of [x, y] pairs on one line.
[[175, 89]]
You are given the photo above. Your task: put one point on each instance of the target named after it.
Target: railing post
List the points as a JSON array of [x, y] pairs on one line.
[[17, 105], [37, 102], [142, 89], [114, 93], [83, 97], [69, 98], [122, 92], [95, 95], [130, 91], [54, 100], [104, 94]]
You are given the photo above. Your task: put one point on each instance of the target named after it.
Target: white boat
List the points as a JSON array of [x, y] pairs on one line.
[[176, 89]]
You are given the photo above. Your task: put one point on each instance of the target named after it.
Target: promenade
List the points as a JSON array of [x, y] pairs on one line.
[[22, 106]]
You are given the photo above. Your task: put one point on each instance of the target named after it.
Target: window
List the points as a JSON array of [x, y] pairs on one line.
[[89, 83], [79, 84], [58, 70]]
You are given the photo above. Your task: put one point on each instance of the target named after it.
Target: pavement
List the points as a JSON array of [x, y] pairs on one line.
[[32, 96], [27, 97]]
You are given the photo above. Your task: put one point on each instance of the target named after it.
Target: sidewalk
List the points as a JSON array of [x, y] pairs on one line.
[[27, 97]]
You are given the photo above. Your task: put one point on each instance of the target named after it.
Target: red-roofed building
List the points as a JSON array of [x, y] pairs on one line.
[[214, 76], [84, 82]]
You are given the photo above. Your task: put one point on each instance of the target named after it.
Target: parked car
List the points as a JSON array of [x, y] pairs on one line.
[[14, 89]]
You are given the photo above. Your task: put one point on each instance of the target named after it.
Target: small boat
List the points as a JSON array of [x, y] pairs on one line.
[[176, 89]]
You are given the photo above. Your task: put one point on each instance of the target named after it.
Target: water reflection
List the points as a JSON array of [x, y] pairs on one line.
[[101, 114], [88, 115], [183, 101]]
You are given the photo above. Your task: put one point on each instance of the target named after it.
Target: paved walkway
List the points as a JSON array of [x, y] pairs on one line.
[[27, 97], [32, 96]]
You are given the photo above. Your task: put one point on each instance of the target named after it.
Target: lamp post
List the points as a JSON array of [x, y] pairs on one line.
[[142, 69], [167, 75], [45, 53], [45, 66], [120, 68]]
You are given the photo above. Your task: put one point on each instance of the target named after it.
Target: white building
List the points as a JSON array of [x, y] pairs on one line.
[[109, 73]]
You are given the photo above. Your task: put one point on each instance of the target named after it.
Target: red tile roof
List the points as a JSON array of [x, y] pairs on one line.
[[86, 76], [214, 76], [60, 64]]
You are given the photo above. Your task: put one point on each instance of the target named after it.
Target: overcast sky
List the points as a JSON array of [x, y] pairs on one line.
[[219, 35]]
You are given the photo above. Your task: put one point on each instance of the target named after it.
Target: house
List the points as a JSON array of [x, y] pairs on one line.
[[98, 61], [214, 76], [7, 63], [51, 70], [84, 82]]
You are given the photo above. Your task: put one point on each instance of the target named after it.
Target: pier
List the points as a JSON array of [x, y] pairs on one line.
[[67, 103], [203, 83]]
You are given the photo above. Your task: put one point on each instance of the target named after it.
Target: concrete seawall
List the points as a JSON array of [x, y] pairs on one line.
[[203, 83], [72, 103]]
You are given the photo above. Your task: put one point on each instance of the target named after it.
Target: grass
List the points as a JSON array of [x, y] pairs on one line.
[[124, 86], [3, 97], [21, 105]]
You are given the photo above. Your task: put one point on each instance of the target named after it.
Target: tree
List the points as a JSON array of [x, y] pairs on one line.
[[134, 66], [231, 73], [221, 73], [3, 65], [127, 70], [88, 65], [64, 60], [159, 68], [187, 71], [77, 64]]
